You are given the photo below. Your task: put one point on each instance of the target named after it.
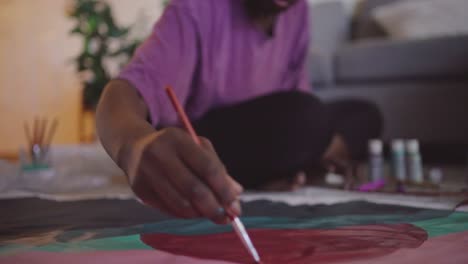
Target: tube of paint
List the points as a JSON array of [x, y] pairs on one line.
[[415, 168], [376, 160], [398, 160]]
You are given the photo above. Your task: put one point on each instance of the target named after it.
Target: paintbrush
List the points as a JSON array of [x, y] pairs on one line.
[[48, 138], [41, 138], [235, 221], [35, 139], [29, 138]]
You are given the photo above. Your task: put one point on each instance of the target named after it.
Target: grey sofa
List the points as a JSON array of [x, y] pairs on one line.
[[421, 86]]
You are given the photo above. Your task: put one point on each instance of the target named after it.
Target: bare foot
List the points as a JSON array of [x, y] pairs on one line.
[[347, 169], [285, 185], [337, 159], [337, 150]]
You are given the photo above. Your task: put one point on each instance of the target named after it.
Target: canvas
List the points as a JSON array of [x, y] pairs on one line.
[[123, 231]]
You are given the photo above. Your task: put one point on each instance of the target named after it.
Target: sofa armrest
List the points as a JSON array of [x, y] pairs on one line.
[[444, 57]]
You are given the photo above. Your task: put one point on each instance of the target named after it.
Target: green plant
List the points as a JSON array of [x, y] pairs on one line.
[[104, 43]]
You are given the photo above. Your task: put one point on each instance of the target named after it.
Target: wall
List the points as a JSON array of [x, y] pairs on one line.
[[36, 76]]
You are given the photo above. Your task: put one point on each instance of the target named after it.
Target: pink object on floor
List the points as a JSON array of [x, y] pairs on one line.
[[372, 186]]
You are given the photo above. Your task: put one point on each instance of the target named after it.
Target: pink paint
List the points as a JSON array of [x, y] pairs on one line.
[[106, 257], [444, 249]]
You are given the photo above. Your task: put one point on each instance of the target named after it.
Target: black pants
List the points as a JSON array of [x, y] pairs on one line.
[[276, 136]]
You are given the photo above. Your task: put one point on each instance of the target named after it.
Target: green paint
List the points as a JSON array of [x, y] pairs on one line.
[[197, 227], [14, 249], [103, 244], [454, 223], [129, 238]]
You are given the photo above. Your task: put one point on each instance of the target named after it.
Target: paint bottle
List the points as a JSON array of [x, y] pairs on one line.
[[415, 169], [436, 176], [376, 160], [398, 160]]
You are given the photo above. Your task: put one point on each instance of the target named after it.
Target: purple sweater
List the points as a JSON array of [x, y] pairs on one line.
[[212, 55]]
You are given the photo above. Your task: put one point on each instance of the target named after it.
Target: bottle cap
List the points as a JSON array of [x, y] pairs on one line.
[[412, 146], [398, 145], [375, 146]]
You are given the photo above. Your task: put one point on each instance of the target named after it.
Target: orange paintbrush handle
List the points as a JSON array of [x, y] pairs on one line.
[[182, 115]]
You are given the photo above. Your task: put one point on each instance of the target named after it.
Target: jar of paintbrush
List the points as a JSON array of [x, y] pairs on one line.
[[36, 166]]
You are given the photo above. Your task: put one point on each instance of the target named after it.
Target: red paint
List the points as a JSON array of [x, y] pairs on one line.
[[295, 246]]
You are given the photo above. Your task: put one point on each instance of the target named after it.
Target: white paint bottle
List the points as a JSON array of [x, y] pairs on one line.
[[376, 160], [398, 160], [415, 168]]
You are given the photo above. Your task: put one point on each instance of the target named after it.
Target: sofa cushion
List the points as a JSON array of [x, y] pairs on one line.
[[329, 30], [423, 18], [364, 24], [403, 59], [329, 25]]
